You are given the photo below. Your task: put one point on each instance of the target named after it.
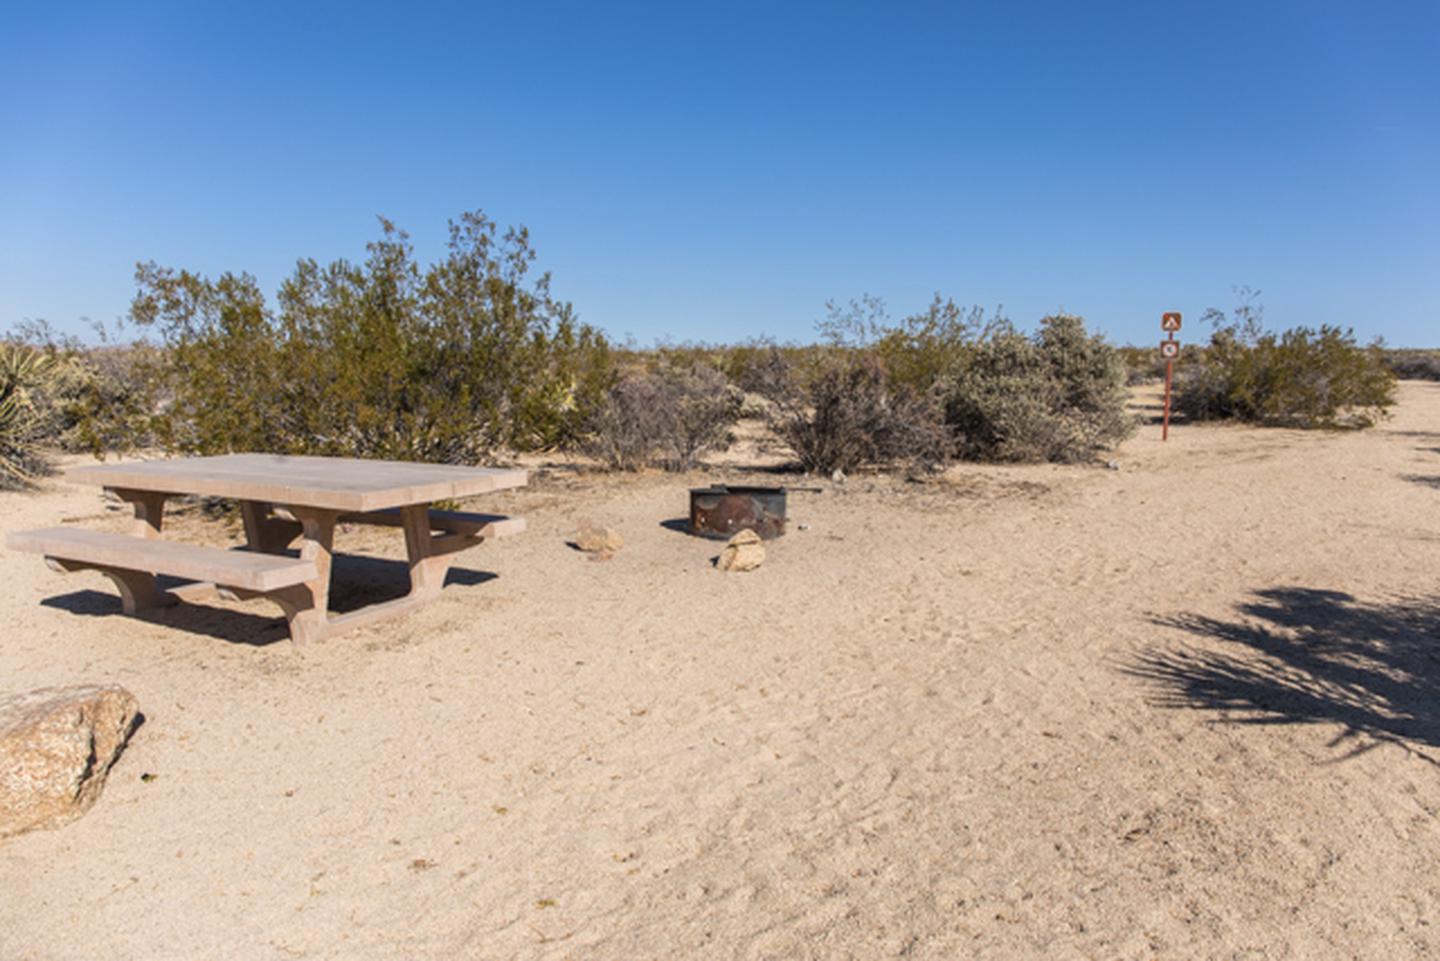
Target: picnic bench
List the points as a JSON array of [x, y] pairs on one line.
[[283, 500]]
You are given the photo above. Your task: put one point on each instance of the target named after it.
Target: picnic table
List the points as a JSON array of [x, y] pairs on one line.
[[283, 499]]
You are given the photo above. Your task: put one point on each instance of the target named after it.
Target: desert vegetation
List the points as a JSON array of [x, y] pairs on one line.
[[473, 357], [1412, 364], [1058, 395], [1301, 377], [24, 373], [380, 359], [666, 415]]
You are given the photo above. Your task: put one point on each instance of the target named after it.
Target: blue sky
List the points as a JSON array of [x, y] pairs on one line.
[[719, 171]]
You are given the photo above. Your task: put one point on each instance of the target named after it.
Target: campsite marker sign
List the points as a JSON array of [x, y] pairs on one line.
[[1169, 349]]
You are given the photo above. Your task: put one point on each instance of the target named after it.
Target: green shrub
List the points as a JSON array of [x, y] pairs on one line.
[[1057, 396], [669, 416], [1299, 378], [848, 414], [380, 359]]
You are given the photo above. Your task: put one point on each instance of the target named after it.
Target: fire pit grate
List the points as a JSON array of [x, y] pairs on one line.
[[721, 510]]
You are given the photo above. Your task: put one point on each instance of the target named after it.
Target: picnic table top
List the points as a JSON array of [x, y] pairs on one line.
[[338, 483]]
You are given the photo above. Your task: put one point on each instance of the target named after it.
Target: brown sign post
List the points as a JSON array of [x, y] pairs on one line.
[[1169, 349]]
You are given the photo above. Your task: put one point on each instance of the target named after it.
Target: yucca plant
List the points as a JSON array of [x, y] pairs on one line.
[[23, 371]]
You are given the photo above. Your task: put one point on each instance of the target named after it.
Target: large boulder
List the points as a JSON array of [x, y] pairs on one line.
[[56, 748], [743, 552]]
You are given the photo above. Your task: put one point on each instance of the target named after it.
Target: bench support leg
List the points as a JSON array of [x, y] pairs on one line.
[[137, 589]]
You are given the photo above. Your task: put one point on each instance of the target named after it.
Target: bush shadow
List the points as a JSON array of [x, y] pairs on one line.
[[1304, 656]]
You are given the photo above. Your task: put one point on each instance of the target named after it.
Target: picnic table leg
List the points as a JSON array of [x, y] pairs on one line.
[[264, 533], [149, 507], [308, 609], [428, 566]]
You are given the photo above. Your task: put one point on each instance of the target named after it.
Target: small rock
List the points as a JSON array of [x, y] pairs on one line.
[[1112, 464], [598, 540], [838, 477], [56, 748], [743, 552]]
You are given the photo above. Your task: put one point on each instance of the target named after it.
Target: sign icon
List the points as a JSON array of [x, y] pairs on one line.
[[1170, 321], [1169, 349]]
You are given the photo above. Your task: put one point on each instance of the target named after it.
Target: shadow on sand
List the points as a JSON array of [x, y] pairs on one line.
[[356, 581], [1303, 656]]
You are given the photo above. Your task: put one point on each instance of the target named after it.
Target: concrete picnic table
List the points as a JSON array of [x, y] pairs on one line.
[[282, 499]]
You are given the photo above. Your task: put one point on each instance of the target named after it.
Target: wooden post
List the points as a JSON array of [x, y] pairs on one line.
[[1169, 349], [1169, 372]]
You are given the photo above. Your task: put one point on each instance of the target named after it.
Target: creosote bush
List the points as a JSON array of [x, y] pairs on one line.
[[1057, 396], [668, 417], [1299, 378], [382, 359]]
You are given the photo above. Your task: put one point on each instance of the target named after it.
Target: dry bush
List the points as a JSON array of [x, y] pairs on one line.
[[110, 403], [667, 417], [97, 399], [918, 351], [1409, 364], [1143, 365], [1057, 396], [622, 430], [848, 414]]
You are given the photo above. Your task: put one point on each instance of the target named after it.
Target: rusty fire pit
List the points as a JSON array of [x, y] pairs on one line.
[[721, 510]]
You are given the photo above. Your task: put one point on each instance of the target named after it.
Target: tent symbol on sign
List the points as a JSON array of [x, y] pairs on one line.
[[1170, 321]]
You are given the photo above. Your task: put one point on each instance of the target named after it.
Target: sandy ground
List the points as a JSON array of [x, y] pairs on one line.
[[1189, 708]]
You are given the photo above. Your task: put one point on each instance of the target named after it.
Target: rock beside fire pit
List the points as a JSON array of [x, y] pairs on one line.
[[56, 748], [593, 539], [743, 552]]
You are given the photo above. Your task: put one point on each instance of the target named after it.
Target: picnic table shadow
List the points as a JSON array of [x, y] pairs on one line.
[[358, 580], [1298, 655]]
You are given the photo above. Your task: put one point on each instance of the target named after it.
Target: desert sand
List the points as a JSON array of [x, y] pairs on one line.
[[1189, 708]]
